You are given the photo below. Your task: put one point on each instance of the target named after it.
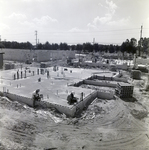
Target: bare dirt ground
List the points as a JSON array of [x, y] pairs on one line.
[[105, 125]]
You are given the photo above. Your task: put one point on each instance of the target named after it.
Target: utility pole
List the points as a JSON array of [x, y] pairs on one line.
[[36, 37], [140, 41], [93, 44], [93, 40]]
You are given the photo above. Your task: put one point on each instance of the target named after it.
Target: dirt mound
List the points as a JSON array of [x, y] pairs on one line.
[[139, 114], [13, 105]]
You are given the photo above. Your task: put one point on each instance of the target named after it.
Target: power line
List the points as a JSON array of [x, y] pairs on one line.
[[91, 31], [18, 33], [87, 31]]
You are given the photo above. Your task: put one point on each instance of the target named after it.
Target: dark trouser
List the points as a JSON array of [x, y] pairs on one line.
[[72, 101], [36, 102]]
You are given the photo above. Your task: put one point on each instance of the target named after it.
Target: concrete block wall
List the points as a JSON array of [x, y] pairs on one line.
[[105, 95], [123, 66], [86, 101], [17, 55], [78, 83], [100, 83], [121, 79], [109, 78], [20, 99], [41, 55], [64, 109], [104, 78], [82, 104]]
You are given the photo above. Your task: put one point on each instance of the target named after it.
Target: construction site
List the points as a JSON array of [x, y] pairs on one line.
[[111, 105]]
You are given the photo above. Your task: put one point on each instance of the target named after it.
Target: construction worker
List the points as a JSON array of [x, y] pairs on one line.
[[71, 99], [36, 97]]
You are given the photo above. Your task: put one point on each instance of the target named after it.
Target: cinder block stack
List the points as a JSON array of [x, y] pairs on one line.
[[124, 90]]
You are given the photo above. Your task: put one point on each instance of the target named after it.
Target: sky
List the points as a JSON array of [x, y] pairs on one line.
[[73, 21]]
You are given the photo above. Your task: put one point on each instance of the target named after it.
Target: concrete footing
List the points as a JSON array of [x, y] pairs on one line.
[[69, 111], [81, 105]]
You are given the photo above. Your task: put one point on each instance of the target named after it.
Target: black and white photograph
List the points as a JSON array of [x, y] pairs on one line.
[[74, 74]]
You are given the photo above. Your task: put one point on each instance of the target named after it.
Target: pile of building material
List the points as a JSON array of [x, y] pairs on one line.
[[136, 74], [9, 66], [124, 90]]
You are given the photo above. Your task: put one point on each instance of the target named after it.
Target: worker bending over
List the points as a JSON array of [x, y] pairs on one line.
[[71, 99], [36, 98]]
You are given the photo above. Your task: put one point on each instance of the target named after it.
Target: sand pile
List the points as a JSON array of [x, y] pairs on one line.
[[139, 114]]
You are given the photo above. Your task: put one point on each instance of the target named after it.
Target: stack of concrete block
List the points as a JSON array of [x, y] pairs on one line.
[[124, 90]]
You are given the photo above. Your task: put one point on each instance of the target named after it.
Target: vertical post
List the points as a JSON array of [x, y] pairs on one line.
[[25, 74], [14, 76], [48, 75], [81, 98], [21, 74], [17, 74], [134, 60]]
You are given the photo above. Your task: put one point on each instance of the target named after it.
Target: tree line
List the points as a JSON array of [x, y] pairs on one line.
[[130, 46]]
